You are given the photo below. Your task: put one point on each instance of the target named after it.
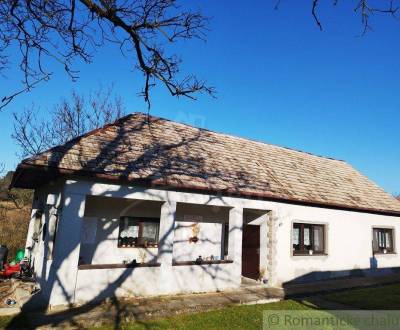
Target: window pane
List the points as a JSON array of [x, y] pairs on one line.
[[307, 239], [388, 239], [128, 232], [381, 239], [318, 238], [296, 238], [375, 245], [129, 229], [150, 232]]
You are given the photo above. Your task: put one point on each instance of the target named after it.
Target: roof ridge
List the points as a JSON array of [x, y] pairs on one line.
[[136, 113], [84, 135], [243, 138]]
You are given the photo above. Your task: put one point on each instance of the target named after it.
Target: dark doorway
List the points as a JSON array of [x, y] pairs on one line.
[[251, 252]]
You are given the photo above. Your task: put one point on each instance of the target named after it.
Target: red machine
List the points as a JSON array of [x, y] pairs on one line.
[[10, 270], [18, 268]]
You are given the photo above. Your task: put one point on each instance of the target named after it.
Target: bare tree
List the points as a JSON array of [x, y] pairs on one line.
[[69, 30], [68, 119], [364, 8]]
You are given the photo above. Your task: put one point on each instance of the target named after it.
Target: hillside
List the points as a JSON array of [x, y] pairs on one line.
[[14, 215], [4, 182]]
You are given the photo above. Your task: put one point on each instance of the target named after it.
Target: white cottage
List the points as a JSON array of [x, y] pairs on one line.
[[146, 206]]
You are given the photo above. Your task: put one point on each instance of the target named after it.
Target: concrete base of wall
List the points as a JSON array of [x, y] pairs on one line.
[[329, 275], [292, 290]]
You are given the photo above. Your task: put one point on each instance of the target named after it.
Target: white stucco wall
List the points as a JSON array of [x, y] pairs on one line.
[[101, 283], [348, 242]]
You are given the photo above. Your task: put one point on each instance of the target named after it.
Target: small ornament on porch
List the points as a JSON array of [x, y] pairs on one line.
[[195, 232], [142, 256], [199, 260]]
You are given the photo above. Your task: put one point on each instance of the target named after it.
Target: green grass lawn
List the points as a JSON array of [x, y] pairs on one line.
[[238, 317], [251, 317], [383, 297]]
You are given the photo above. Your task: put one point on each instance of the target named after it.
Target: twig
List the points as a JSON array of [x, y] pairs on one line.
[[7, 99], [314, 13]]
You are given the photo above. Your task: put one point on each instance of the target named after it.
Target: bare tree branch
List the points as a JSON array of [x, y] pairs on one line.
[[68, 119], [67, 31], [7, 99], [314, 13], [366, 9]]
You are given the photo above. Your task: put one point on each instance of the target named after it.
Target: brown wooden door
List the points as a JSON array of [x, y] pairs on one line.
[[251, 252]]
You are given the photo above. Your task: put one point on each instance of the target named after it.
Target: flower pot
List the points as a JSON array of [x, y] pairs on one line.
[[194, 239]]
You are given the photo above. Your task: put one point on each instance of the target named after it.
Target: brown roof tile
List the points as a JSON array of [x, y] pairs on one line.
[[182, 156]]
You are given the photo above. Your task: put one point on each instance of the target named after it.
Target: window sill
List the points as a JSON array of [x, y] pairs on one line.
[[138, 247], [204, 262], [309, 255], [113, 266]]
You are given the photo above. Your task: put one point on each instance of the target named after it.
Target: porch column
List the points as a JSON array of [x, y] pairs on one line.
[[271, 251], [61, 282], [29, 240], [264, 247], [235, 241], [52, 205], [166, 245]]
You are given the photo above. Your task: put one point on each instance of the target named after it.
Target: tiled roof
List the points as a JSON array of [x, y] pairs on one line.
[[180, 156]]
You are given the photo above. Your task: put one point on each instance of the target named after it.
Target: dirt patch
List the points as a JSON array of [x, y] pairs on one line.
[[5, 291]]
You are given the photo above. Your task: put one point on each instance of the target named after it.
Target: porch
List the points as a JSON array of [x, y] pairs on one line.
[[136, 247], [119, 241]]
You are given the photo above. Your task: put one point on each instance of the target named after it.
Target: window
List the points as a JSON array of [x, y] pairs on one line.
[[308, 239], [382, 240], [226, 238], [138, 232]]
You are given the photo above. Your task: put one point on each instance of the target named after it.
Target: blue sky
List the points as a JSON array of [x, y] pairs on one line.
[[279, 80]]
